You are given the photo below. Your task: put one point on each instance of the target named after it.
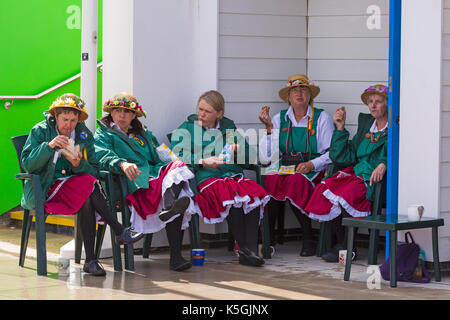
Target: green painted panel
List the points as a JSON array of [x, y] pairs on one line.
[[41, 46]]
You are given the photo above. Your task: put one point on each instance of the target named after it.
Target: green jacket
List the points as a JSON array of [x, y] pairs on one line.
[[360, 152], [191, 150], [37, 157], [114, 147]]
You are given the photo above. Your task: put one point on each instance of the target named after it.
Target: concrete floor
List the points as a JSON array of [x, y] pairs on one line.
[[284, 277]]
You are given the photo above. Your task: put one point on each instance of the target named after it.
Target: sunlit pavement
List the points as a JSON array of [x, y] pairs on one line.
[[285, 276]]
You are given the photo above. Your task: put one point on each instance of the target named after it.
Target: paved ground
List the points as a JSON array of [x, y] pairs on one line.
[[286, 276]]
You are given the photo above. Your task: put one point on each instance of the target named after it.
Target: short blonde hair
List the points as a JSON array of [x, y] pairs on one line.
[[214, 99]]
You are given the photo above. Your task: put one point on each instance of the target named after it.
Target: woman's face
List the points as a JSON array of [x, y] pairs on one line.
[[123, 117], [66, 122], [299, 96], [377, 106], [207, 115]]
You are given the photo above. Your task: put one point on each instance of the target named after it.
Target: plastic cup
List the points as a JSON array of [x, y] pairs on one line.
[[198, 257]]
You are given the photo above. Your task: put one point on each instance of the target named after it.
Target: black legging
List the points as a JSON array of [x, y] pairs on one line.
[[95, 202], [244, 227]]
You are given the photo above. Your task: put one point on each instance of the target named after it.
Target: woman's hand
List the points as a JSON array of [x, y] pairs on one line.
[[59, 141], [378, 173], [234, 148], [74, 161], [211, 162], [131, 170], [264, 117], [339, 118], [305, 167]]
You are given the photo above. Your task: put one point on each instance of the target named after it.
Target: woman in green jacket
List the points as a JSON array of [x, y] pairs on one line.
[[365, 159], [159, 192], [60, 150], [208, 142]]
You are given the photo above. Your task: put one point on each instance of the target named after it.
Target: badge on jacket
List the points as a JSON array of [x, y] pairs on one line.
[[138, 140], [83, 135]]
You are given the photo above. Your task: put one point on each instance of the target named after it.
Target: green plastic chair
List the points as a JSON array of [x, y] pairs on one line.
[[116, 189], [41, 216]]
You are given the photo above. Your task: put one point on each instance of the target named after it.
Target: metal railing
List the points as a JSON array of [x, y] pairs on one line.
[[8, 104]]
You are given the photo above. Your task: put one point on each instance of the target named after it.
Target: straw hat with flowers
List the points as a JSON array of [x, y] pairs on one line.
[[124, 100], [298, 80], [69, 100]]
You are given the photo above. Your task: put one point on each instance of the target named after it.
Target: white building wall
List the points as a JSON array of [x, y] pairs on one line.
[[344, 55], [444, 232], [261, 43], [421, 168]]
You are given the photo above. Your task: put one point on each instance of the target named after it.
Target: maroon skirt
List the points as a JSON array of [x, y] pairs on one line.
[[216, 196], [342, 189], [67, 196], [296, 188], [146, 203]]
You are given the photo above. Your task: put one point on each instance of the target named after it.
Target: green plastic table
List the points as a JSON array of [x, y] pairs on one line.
[[392, 225]]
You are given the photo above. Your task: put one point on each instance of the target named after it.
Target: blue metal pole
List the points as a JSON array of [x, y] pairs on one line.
[[395, 16]]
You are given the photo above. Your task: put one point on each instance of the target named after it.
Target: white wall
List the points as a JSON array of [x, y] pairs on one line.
[[175, 58], [344, 55], [118, 17], [261, 43], [420, 162], [444, 232]]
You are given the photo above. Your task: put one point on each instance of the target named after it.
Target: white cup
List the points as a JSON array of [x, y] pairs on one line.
[[260, 253], [63, 266], [415, 212], [343, 256]]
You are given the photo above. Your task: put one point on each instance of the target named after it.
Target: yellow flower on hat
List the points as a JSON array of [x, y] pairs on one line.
[[133, 104]]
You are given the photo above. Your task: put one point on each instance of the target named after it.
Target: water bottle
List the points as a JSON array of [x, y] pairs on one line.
[[225, 155], [418, 274]]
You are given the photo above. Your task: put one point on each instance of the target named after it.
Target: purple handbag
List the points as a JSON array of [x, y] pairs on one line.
[[407, 261]]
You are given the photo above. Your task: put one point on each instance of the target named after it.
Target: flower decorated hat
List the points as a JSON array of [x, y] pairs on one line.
[[298, 80], [375, 89], [124, 100], [69, 100]]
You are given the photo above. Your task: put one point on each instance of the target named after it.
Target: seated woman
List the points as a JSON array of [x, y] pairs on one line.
[[223, 192], [124, 145], [300, 137], [365, 157], [60, 149]]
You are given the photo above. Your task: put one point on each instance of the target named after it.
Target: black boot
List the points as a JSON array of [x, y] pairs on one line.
[[309, 246], [174, 236]]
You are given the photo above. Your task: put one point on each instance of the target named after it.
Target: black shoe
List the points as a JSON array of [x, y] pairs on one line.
[[333, 254], [179, 207], [180, 265], [92, 267], [249, 258], [128, 236], [308, 249]]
